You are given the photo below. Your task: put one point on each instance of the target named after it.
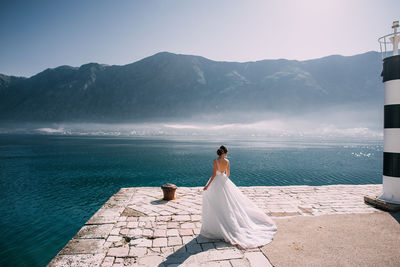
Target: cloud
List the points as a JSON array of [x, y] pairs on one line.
[[50, 130]]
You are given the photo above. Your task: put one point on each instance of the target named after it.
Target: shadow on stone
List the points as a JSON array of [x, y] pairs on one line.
[[396, 215], [181, 255], [129, 212], [159, 202]]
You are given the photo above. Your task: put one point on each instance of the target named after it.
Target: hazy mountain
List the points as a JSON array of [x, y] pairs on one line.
[[170, 86]]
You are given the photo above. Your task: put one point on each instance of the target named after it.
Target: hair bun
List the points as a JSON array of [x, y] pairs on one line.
[[222, 150]]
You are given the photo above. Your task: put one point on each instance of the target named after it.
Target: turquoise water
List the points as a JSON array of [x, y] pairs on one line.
[[51, 185]]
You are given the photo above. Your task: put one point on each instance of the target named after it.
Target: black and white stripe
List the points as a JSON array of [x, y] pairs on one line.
[[391, 148]]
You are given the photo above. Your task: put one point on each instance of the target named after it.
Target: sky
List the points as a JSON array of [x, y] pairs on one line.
[[36, 35]]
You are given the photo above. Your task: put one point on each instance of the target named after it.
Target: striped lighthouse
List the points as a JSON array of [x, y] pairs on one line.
[[391, 148]]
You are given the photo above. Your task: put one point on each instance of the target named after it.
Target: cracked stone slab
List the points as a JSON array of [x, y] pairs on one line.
[[217, 255], [240, 263], [94, 231], [151, 260], [104, 216], [257, 259], [83, 246], [77, 260]]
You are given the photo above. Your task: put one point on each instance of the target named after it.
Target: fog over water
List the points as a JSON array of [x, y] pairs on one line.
[[334, 122]]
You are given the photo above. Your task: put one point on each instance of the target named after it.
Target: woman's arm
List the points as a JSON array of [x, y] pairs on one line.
[[213, 175], [227, 170]]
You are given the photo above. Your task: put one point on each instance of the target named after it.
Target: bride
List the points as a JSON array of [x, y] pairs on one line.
[[228, 214]]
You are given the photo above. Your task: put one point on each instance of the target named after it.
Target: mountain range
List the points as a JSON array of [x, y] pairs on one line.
[[169, 86]]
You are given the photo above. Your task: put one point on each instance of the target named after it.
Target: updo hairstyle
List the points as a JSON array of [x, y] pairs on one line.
[[222, 150]]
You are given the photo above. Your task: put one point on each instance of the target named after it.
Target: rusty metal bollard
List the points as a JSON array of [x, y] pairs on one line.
[[169, 191]]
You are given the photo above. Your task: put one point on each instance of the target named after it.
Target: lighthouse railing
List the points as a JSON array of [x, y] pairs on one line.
[[383, 41]]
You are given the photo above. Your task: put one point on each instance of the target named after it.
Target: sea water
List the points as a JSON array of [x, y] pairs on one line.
[[51, 185]]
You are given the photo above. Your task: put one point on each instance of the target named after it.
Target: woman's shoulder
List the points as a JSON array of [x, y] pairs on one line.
[[216, 160]]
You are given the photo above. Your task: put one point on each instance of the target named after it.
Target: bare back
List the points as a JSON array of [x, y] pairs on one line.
[[222, 164]]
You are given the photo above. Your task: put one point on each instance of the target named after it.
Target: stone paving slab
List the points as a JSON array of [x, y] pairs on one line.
[[135, 227]]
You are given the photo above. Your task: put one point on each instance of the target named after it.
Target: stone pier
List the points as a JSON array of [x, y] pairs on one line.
[[135, 227]]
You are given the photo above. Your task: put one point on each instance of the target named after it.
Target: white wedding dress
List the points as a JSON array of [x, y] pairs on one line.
[[229, 215]]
